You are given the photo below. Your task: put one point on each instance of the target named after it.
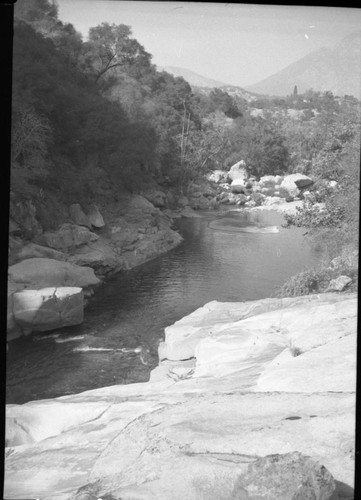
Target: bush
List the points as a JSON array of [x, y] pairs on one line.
[[316, 280], [312, 216]]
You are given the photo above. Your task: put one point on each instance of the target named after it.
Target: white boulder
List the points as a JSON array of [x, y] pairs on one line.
[[294, 182], [238, 186], [48, 308], [272, 200], [217, 176], [238, 171]]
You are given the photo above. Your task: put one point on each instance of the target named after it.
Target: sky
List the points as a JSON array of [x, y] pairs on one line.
[[238, 44]]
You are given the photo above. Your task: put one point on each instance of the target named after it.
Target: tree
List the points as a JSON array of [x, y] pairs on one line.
[[260, 145], [223, 101], [111, 46], [295, 92]]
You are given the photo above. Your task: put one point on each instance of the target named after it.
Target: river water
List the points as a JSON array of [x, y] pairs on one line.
[[229, 256]]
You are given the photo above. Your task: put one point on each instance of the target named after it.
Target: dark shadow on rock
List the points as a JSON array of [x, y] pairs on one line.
[[344, 491]]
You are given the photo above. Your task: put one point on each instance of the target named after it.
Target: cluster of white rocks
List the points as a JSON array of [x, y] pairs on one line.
[[237, 187], [252, 400]]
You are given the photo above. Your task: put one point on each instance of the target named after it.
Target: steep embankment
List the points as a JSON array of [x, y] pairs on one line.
[[247, 393]]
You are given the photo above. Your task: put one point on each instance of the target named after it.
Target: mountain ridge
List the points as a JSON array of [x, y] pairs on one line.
[[336, 68]]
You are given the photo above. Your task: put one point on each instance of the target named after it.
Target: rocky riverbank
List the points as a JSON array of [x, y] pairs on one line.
[[89, 244], [251, 400], [81, 252]]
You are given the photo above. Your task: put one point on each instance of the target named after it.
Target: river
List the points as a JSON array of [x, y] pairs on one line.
[[225, 256]]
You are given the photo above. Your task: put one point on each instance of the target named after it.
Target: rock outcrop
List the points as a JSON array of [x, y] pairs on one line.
[[243, 418], [41, 272], [48, 308], [67, 238]]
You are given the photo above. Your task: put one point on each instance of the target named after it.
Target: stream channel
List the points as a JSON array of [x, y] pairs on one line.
[[228, 256]]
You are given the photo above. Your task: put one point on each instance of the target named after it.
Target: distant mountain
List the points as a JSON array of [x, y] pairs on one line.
[[337, 69], [194, 79], [206, 84]]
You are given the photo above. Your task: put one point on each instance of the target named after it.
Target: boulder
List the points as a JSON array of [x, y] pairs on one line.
[[339, 284], [250, 204], [13, 330], [48, 308], [183, 201], [32, 250], [291, 476], [213, 203], [78, 216], [23, 217], [272, 200], [199, 203], [267, 181], [294, 182], [257, 197], [242, 199], [229, 198], [41, 272], [95, 217], [99, 255], [14, 227], [217, 176], [67, 237], [157, 198], [238, 171], [238, 186]]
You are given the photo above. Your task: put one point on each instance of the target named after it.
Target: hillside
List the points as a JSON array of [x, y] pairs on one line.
[[194, 79], [337, 69], [204, 85]]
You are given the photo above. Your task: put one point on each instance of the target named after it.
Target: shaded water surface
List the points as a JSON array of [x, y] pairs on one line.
[[232, 256]]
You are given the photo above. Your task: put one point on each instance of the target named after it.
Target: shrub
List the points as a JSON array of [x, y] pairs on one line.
[[316, 280]]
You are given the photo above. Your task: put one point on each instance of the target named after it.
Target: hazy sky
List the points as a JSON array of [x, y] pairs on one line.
[[238, 44]]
